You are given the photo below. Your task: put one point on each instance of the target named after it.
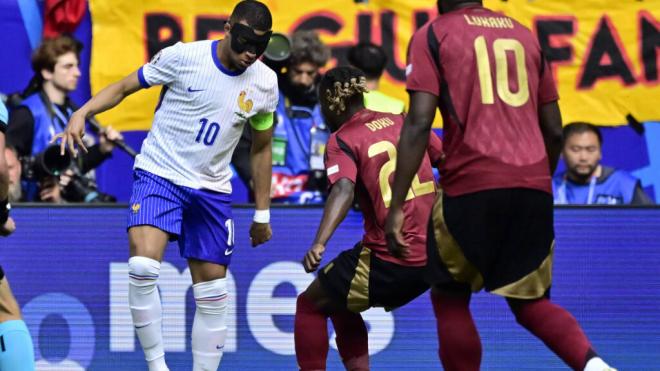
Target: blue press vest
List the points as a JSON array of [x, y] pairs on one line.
[[296, 131], [616, 189], [45, 127]]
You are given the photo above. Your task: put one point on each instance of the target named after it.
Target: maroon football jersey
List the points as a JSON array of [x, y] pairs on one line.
[[490, 76], [364, 151]]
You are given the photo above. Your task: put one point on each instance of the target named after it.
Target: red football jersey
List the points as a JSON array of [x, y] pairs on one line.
[[364, 151], [490, 76]]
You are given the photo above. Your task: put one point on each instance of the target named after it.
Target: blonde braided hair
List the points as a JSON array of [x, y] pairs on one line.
[[348, 82]]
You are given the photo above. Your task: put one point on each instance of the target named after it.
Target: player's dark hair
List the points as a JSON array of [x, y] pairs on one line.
[[343, 87], [368, 57], [307, 47], [579, 128], [254, 13], [450, 4]]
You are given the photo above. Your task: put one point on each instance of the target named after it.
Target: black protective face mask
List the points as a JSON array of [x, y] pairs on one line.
[[244, 39]]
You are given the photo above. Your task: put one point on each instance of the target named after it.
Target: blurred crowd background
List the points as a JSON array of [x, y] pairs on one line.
[[57, 52]]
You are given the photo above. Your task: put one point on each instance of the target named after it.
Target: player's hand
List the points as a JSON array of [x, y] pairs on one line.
[[313, 257], [396, 245], [260, 233], [8, 228], [72, 135]]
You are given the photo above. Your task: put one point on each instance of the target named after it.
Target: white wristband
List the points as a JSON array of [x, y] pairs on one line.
[[261, 216]]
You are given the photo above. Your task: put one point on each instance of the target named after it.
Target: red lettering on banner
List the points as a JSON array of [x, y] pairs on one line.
[[155, 24], [649, 43], [554, 34], [605, 43], [210, 27]]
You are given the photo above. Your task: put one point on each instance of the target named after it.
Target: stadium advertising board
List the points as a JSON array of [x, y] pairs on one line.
[[67, 267]]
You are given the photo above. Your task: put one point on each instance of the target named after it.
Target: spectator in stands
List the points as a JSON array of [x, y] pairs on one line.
[[43, 112], [585, 180], [300, 133], [14, 169], [372, 60]]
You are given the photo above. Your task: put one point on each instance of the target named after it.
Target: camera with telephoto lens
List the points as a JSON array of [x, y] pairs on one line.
[[277, 52], [48, 163]]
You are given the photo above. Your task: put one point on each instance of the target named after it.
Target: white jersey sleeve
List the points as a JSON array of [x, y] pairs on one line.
[[163, 67], [272, 98]]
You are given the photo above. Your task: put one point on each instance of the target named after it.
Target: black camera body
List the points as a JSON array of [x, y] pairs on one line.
[[45, 164], [278, 52], [50, 163], [83, 189]]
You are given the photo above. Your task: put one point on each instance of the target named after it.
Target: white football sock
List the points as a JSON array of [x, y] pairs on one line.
[[144, 302], [597, 364], [209, 327]]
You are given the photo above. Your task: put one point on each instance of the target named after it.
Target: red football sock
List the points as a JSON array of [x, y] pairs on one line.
[[460, 345], [352, 340], [311, 335], [556, 327]]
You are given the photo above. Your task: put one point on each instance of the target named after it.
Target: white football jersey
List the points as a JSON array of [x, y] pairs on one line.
[[201, 113]]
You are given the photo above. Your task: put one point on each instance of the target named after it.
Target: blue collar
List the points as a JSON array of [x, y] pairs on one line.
[[216, 60], [562, 193]]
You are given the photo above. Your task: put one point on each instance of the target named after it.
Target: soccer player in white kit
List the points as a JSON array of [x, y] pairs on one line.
[[181, 188]]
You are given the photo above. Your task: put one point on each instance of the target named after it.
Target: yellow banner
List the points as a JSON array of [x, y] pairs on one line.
[[605, 54]]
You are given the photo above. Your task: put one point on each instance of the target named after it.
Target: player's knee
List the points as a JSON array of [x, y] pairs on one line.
[[211, 296], [143, 271], [304, 304], [521, 309]]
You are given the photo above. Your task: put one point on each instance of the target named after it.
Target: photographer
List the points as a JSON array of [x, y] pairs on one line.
[[44, 112], [588, 182], [14, 192], [300, 133]]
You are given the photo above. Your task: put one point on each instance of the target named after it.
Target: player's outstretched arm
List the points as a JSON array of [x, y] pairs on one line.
[[410, 151], [261, 162], [107, 98], [551, 128], [337, 206]]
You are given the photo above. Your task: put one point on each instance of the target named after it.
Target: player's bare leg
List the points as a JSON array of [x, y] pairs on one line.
[[147, 245], [210, 324], [458, 338], [313, 308], [9, 309]]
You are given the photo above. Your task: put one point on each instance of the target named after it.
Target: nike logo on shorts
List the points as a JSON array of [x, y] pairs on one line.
[[191, 90], [228, 251]]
